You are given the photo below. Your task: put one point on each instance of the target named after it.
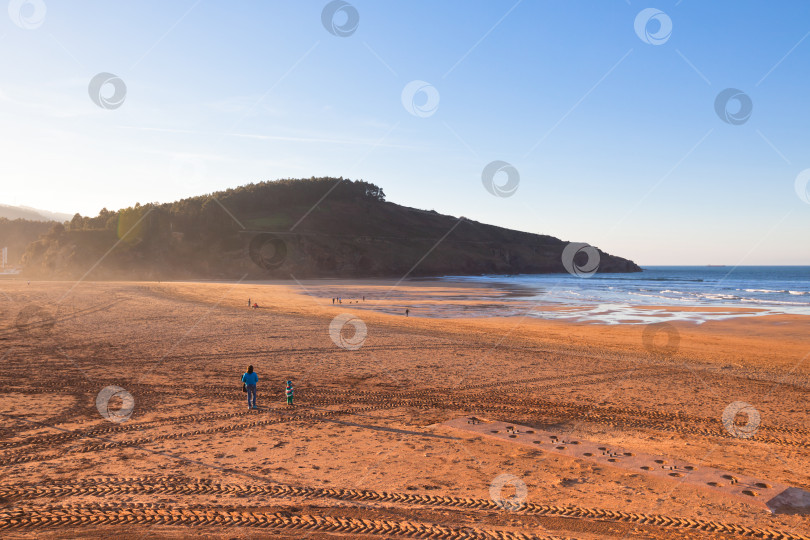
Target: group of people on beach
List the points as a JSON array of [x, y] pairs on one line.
[[339, 300], [249, 381]]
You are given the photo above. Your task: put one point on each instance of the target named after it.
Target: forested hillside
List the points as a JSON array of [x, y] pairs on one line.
[[17, 234], [317, 227]]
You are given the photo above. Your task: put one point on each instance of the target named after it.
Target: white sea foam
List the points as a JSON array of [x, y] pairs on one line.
[[762, 290], [718, 296], [781, 303]]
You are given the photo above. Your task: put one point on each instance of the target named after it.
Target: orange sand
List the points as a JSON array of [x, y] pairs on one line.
[[369, 419]]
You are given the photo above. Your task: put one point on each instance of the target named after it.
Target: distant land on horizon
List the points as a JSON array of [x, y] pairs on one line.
[[317, 227], [31, 214]]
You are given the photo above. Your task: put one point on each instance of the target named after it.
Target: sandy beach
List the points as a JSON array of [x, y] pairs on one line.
[[366, 451]]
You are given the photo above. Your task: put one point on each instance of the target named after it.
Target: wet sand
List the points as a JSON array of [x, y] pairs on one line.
[[364, 450]]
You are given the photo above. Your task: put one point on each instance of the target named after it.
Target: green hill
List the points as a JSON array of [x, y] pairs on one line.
[[320, 227]]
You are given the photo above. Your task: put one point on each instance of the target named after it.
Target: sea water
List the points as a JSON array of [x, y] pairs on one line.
[[697, 293]]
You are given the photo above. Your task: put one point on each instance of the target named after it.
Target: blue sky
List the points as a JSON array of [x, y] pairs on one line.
[[616, 140]]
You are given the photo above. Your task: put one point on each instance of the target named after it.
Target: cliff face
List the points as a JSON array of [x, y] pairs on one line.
[[352, 233]]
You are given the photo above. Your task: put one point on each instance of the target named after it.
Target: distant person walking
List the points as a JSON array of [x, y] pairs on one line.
[[249, 302], [333, 301], [289, 393], [249, 380], [407, 312]]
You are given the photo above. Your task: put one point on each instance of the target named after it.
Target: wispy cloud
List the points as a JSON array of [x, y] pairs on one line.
[[46, 102], [286, 138]]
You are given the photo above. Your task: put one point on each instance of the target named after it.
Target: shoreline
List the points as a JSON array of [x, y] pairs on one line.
[[773, 340], [451, 298], [752, 344]]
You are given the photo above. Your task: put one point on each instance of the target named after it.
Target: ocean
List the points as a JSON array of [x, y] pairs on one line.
[[699, 293]]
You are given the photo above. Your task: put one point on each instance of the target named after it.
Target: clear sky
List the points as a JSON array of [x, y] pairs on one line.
[[613, 131]]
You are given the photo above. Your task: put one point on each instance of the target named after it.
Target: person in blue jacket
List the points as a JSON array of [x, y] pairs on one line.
[[250, 379]]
